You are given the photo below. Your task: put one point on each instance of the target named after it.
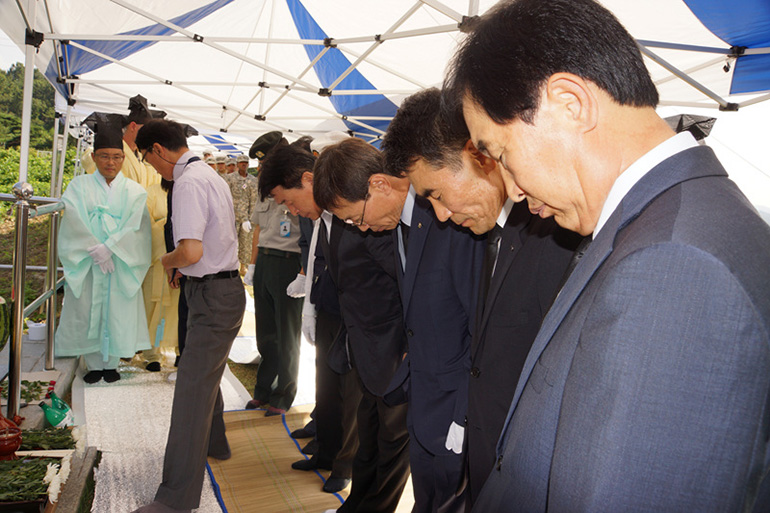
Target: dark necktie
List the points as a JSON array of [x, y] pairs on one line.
[[581, 249], [490, 257], [404, 235]]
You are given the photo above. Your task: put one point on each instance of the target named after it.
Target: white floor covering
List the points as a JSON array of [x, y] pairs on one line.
[[128, 422]]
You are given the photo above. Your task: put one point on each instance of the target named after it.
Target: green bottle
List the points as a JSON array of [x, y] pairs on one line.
[[58, 403], [57, 418]]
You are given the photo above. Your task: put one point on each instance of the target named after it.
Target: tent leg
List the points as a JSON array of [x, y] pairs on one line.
[[63, 155]]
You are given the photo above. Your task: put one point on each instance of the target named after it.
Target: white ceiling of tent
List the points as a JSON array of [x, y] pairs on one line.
[[215, 82]]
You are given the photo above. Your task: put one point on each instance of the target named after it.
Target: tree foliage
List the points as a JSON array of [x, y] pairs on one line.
[[11, 100]]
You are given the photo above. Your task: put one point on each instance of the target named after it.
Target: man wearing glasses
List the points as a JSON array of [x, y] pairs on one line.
[[104, 247], [438, 268]]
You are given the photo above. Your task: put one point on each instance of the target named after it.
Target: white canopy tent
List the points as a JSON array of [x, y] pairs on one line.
[[239, 68]]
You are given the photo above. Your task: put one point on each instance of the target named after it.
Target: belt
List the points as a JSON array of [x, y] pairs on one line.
[[278, 252], [216, 276]]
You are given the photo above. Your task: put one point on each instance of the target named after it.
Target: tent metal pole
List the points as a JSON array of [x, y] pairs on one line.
[[304, 71], [335, 113], [673, 69], [443, 9], [54, 154], [408, 14], [755, 100], [679, 46], [690, 71], [393, 72], [180, 39], [26, 106], [400, 35], [473, 7], [63, 155], [203, 40]]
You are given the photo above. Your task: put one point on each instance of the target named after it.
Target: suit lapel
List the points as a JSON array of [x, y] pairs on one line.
[[418, 234], [693, 163]]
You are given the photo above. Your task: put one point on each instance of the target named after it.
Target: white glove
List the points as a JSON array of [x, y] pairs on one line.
[[100, 253], [297, 287], [454, 438], [249, 278], [308, 321], [107, 266], [246, 225]]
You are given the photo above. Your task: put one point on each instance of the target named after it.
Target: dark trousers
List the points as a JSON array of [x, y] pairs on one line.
[[337, 399], [215, 315], [278, 329], [381, 465], [435, 479], [182, 311]]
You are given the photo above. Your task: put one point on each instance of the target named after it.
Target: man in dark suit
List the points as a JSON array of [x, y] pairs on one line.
[[438, 265], [371, 341], [647, 386], [287, 176], [519, 282]]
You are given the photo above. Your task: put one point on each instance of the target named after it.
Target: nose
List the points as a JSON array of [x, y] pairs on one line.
[[442, 213], [513, 190], [363, 227]]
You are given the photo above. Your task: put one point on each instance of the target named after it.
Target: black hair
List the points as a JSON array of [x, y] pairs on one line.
[[421, 130], [165, 132], [342, 171], [519, 44], [283, 166]]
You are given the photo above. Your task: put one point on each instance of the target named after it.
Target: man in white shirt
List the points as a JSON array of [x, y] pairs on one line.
[[207, 254], [647, 385]]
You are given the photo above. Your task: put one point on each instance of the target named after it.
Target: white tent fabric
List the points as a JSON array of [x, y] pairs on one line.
[[243, 67], [398, 46]]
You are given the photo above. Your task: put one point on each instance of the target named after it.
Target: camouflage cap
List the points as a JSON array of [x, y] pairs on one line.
[[242, 158]]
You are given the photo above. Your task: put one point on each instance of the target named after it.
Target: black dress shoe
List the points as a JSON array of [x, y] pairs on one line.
[[153, 367], [311, 447], [93, 376], [335, 484], [111, 375], [311, 464], [301, 433]]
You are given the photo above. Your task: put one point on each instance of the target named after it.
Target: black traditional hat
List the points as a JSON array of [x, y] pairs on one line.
[[264, 144], [108, 129], [139, 111]]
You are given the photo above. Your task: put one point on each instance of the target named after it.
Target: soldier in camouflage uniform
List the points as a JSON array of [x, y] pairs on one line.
[[243, 187]]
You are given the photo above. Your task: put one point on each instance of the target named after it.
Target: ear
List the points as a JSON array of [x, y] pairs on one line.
[[380, 182], [484, 163], [573, 99], [307, 179]]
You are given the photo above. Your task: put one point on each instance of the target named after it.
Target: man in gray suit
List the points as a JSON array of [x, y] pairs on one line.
[[648, 385]]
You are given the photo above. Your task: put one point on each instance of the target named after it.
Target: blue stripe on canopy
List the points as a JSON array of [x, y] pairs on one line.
[[81, 62], [221, 144], [331, 66], [742, 23]]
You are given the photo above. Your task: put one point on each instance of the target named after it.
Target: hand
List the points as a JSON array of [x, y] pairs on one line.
[[249, 278], [308, 320], [297, 287], [107, 266], [246, 225], [173, 278], [100, 254], [454, 438], [308, 326]]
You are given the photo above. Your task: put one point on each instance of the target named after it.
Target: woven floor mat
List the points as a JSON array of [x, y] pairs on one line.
[[259, 476]]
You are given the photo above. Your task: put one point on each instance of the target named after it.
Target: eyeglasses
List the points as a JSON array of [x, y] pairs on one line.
[[363, 212], [144, 155], [108, 158]]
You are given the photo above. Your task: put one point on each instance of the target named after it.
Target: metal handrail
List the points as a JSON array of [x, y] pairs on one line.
[[23, 194]]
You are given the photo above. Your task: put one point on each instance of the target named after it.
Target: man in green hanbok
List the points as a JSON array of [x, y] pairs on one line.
[[104, 247]]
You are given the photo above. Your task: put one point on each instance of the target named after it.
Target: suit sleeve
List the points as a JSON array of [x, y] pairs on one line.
[[663, 409]]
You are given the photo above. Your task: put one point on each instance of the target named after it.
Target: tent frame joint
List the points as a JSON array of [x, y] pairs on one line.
[[329, 42], [33, 38], [324, 91], [729, 107], [259, 117], [737, 51], [197, 38], [468, 23]]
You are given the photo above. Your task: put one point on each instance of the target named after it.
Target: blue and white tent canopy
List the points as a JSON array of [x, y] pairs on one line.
[[307, 66]]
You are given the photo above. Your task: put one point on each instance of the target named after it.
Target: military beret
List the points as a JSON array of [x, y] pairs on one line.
[[264, 144], [242, 158]]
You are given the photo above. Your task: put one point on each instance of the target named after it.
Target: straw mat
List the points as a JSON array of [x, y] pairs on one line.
[[258, 477]]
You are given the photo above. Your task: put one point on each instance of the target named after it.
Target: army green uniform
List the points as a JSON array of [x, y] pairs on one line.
[[245, 198]]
